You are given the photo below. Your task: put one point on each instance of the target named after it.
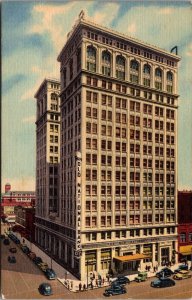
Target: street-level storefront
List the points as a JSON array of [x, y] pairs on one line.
[[185, 253], [129, 263]]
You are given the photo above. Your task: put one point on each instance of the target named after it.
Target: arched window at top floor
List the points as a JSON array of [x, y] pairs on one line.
[[106, 57], [106, 63], [134, 65], [147, 69], [91, 58], [91, 53], [169, 76], [158, 72], [120, 67]]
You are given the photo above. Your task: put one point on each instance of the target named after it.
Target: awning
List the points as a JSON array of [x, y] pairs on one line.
[[185, 250], [131, 257]]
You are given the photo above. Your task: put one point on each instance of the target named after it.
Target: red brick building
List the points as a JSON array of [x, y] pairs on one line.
[[12, 199], [185, 224]]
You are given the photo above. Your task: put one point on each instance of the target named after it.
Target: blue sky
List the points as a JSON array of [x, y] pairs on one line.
[[33, 33]]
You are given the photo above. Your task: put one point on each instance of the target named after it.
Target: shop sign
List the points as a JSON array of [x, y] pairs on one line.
[[78, 246]]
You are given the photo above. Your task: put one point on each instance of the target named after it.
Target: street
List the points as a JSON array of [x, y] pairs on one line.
[[21, 281]]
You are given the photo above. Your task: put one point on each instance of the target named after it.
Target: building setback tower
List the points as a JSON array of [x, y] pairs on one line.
[[47, 163]]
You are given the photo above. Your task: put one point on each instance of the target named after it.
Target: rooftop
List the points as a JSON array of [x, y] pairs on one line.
[[83, 19]]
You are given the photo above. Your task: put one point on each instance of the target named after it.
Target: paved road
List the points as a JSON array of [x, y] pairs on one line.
[[21, 281]]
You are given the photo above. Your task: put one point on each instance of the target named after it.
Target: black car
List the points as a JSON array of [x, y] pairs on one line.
[[45, 289], [25, 249], [12, 259], [50, 274], [6, 242], [115, 290], [162, 282], [37, 260], [13, 250], [165, 272], [181, 267], [121, 280]]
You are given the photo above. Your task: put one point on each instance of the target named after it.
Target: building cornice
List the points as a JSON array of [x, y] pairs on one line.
[[54, 80]]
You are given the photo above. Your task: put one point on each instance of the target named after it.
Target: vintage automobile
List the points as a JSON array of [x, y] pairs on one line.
[[181, 267], [142, 276], [162, 282], [45, 289], [43, 266], [182, 274], [114, 290]]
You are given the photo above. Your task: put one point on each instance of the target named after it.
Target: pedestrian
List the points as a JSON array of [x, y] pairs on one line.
[[154, 269], [96, 282], [103, 280], [84, 287], [91, 285], [93, 275], [146, 268], [80, 286]]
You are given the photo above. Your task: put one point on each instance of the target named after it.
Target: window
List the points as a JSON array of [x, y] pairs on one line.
[[182, 237], [120, 67], [134, 71], [158, 79], [106, 63], [146, 75], [169, 82], [91, 59]]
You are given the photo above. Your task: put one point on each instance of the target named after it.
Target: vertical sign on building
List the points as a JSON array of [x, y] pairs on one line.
[[78, 247]]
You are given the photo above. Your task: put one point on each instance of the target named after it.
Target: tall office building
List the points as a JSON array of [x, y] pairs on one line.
[[118, 168], [47, 162]]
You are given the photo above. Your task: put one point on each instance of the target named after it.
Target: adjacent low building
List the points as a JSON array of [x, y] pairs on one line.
[[10, 200], [185, 225]]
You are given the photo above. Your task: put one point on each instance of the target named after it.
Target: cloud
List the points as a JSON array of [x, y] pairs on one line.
[[103, 17], [189, 50], [12, 81], [166, 11], [132, 28], [30, 120], [20, 184]]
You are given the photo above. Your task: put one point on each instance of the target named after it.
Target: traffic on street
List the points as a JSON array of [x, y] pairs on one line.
[[22, 278]]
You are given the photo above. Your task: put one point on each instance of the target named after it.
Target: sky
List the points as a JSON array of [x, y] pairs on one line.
[[33, 34]]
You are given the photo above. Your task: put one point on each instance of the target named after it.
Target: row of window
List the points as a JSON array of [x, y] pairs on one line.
[[124, 46], [133, 205], [120, 68], [184, 237], [132, 91], [134, 162], [133, 190], [106, 221]]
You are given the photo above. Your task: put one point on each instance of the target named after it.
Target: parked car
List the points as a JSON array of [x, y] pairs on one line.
[[6, 242], [45, 289], [2, 236], [32, 255], [50, 274], [182, 274], [142, 276], [43, 266], [165, 272], [163, 282], [12, 259], [25, 249], [114, 290], [13, 250], [37, 260], [181, 267], [121, 280]]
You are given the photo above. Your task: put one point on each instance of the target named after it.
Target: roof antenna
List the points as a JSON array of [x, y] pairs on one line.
[[176, 50]]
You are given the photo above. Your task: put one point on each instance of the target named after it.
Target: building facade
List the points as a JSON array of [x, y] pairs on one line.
[[118, 168], [47, 161], [185, 225], [10, 200]]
